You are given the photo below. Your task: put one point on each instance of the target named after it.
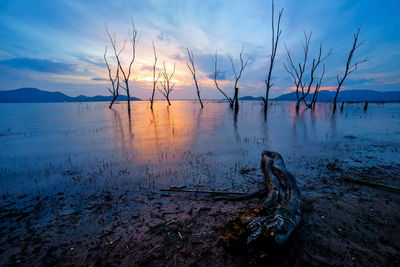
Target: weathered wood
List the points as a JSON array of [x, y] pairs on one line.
[[373, 184], [202, 191], [280, 214]]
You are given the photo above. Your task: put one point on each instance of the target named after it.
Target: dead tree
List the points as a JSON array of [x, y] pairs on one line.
[[316, 91], [350, 67], [316, 62], [193, 71], [155, 80], [297, 70], [230, 100], [166, 83], [275, 40], [126, 74], [279, 215], [114, 90], [243, 64]]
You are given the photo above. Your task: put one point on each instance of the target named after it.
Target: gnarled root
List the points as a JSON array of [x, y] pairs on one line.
[[280, 214]]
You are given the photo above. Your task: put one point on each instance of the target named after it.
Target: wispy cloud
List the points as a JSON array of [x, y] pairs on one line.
[[33, 34], [40, 65], [99, 79]]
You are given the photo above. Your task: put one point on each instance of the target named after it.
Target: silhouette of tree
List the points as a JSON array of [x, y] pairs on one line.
[[126, 73], [275, 41], [243, 64], [155, 80], [166, 86], [230, 100], [114, 90], [193, 71], [350, 67]]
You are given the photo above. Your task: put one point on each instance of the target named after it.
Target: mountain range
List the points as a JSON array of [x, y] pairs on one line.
[[344, 96], [34, 95], [347, 96]]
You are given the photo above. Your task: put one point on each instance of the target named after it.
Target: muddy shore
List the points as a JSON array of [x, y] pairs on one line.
[[343, 224]]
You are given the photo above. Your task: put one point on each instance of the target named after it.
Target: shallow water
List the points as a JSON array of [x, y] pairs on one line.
[[86, 146]]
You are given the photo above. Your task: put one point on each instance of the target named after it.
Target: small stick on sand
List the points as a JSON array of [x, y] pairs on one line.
[[202, 191], [370, 183]]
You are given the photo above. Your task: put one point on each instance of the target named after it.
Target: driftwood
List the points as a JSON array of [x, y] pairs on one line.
[[214, 193], [280, 214], [373, 184]]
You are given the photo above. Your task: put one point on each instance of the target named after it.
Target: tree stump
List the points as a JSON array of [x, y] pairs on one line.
[[277, 218]]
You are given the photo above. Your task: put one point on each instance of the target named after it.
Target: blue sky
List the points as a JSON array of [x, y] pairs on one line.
[[59, 45]]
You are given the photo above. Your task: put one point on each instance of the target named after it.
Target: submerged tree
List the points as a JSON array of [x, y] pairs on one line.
[[230, 100], [166, 83], [243, 64], [349, 66], [316, 62], [114, 90], [275, 40], [296, 70], [128, 70], [155, 80], [316, 91], [193, 71]]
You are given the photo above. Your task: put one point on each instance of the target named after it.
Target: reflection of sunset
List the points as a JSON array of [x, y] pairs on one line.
[[153, 135]]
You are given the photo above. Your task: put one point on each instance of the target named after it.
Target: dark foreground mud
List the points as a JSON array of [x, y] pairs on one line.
[[343, 224]]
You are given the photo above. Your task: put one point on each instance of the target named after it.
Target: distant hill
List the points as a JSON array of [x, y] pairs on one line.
[[250, 98], [347, 96], [34, 95]]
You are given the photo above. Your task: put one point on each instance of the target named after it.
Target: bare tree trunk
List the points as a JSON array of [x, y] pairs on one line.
[[125, 73], [297, 70], [114, 90], [155, 80], [349, 66], [166, 84], [193, 71], [216, 82], [243, 65], [273, 53], [112, 101]]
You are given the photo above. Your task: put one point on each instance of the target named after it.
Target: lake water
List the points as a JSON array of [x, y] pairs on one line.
[[87, 146]]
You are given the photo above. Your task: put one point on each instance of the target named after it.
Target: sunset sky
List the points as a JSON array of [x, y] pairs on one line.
[[59, 45]]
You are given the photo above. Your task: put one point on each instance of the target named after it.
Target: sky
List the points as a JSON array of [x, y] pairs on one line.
[[58, 45]]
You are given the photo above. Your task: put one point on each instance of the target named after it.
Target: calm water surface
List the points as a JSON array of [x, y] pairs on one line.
[[86, 146]]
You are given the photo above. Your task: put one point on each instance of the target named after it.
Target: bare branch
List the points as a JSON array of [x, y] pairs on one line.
[[349, 66], [216, 83], [193, 71], [243, 64], [167, 88], [275, 41]]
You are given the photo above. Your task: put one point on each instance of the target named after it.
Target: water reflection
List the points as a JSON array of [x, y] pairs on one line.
[[181, 141]]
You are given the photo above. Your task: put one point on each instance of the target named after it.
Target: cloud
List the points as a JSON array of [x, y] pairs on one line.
[[359, 81], [40, 65], [91, 60], [221, 75], [98, 79]]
